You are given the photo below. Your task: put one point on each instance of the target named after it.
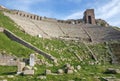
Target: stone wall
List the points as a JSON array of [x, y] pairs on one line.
[[32, 16], [19, 40], [7, 60], [36, 17], [89, 16], [27, 15], [71, 21]]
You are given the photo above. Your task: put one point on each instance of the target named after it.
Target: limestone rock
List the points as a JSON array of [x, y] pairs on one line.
[[78, 67], [10, 76], [48, 71], [67, 65], [28, 72], [4, 80], [68, 71], [27, 68], [60, 71], [21, 65]]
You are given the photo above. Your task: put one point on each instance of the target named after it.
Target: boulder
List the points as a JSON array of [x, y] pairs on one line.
[[69, 71], [28, 72], [48, 71], [67, 65], [10, 76], [78, 67], [60, 71]]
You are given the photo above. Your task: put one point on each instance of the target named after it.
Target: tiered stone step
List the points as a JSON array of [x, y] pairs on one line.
[[101, 34]]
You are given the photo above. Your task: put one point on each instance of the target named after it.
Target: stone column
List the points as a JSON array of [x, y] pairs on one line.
[[32, 60]]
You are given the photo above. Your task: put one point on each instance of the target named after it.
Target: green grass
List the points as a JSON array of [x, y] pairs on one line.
[[12, 47], [64, 51], [8, 70]]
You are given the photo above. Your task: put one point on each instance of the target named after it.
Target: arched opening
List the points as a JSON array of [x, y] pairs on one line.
[[89, 20]]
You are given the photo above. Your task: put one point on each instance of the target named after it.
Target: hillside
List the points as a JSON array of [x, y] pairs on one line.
[[53, 29], [92, 59]]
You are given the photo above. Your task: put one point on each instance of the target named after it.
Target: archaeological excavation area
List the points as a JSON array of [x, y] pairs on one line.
[[36, 48]]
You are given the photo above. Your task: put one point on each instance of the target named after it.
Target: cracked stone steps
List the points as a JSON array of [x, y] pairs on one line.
[[101, 34], [49, 29], [115, 48]]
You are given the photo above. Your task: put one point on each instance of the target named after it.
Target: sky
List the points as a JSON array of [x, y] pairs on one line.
[[109, 10]]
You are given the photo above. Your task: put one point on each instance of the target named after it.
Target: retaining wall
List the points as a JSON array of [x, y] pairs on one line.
[[19, 40], [7, 60]]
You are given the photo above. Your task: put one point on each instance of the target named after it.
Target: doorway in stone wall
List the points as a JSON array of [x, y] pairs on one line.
[[89, 20]]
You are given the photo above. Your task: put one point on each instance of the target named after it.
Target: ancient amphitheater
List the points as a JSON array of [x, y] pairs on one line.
[[83, 29]]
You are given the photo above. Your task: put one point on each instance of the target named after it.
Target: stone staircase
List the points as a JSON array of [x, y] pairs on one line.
[[115, 49], [79, 32], [102, 34]]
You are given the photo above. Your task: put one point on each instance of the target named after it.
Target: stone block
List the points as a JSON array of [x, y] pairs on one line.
[[69, 71], [60, 71], [21, 65], [28, 72], [48, 71]]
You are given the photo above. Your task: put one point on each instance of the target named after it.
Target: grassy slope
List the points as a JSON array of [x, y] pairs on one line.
[[64, 51], [13, 47]]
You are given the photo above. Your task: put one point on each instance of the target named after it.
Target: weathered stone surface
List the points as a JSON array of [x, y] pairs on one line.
[[89, 16], [48, 71], [60, 71], [28, 72], [71, 68], [27, 68], [7, 60], [4, 80], [32, 60], [23, 42], [1, 29], [67, 65], [1, 76], [21, 65], [69, 71], [78, 67], [10, 76]]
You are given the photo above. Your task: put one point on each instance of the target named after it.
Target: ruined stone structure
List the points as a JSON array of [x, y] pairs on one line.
[[89, 16], [21, 41], [32, 16], [27, 15], [71, 21], [2, 8], [7, 60]]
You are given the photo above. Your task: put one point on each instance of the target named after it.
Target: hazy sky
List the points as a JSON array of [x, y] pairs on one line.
[[108, 10]]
